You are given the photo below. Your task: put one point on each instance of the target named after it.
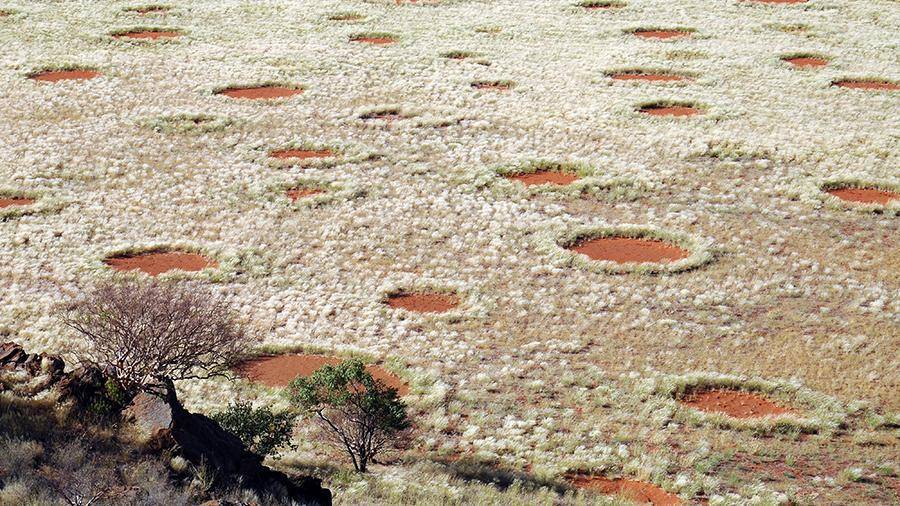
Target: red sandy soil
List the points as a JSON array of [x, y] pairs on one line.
[[299, 193], [62, 75], [807, 62], [867, 85], [545, 177], [637, 491], [375, 40], [301, 153], [662, 34], [279, 370], [148, 34], [15, 201], [159, 262], [627, 250], [864, 195], [634, 76], [421, 302], [779, 1], [670, 110], [734, 403], [491, 86], [261, 92]]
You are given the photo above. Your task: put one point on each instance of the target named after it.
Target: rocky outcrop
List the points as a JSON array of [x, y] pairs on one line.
[[164, 422], [200, 440], [28, 373]]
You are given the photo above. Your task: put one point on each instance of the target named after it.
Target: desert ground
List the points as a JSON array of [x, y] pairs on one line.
[[637, 244]]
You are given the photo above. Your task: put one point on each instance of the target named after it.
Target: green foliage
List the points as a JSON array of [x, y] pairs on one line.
[[110, 401], [261, 430], [359, 414]]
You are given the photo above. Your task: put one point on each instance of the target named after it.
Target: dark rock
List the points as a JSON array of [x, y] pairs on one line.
[[202, 441]]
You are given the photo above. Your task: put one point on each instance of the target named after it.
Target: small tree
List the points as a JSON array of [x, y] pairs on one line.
[[356, 413], [145, 336], [261, 430]]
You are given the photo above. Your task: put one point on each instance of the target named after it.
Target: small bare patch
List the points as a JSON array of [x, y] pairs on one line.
[[149, 9], [807, 61], [298, 193], [64, 75], [629, 250], [779, 1], [539, 177], [280, 370], [155, 263], [376, 39], [260, 92], [670, 110], [15, 201], [389, 115], [646, 76], [734, 403], [864, 195], [662, 34], [301, 154], [346, 16], [423, 302], [148, 34], [638, 491], [867, 84], [597, 5], [493, 85]]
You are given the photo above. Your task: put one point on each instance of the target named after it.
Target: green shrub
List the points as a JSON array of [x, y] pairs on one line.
[[261, 430], [357, 414]]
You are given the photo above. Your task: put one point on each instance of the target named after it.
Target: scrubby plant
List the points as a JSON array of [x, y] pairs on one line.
[[357, 414], [145, 336], [261, 430]]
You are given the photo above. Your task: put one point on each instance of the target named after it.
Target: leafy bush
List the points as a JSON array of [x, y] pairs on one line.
[[261, 430], [356, 413]]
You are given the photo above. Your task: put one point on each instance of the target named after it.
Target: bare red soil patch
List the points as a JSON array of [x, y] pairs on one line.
[[545, 177], [864, 195], [64, 75], [807, 62], [302, 154], [630, 250], [734, 403], [662, 34], [156, 263], [641, 76], [298, 193], [148, 34], [779, 1], [378, 41], [423, 302], [280, 370], [867, 85], [670, 110], [15, 201], [637, 491], [261, 92]]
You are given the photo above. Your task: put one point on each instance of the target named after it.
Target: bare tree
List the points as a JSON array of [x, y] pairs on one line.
[[148, 335], [356, 413]]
